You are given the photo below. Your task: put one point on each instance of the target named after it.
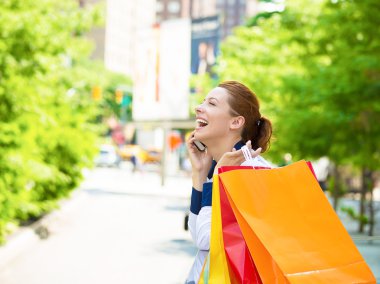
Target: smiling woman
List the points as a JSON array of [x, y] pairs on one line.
[[228, 119]]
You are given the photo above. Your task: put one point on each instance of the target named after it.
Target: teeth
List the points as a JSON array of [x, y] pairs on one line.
[[202, 121]]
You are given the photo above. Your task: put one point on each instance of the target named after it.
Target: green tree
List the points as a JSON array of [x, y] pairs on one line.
[[47, 130], [351, 76]]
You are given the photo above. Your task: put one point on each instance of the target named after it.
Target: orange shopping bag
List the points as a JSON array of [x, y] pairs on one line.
[[292, 232]]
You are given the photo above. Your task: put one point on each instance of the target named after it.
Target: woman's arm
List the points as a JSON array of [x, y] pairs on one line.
[[200, 216]]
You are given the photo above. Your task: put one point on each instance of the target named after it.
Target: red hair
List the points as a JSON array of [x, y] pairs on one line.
[[244, 102]]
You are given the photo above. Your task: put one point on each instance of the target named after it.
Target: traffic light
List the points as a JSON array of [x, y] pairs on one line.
[[96, 93], [127, 100], [119, 96]]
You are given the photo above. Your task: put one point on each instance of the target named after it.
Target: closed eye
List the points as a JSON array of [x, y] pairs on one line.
[[211, 101]]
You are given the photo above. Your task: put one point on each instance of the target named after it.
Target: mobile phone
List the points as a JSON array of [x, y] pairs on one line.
[[200, 146]]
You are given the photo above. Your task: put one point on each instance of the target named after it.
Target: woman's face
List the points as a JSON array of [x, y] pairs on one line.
[[213, 117]]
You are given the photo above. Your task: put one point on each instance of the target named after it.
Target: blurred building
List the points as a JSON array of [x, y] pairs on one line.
[[232, 13], [171, 9], [97, 35], [116, 42], [124, 19]]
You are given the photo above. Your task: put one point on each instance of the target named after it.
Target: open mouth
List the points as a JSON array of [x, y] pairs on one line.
[[201, 123]]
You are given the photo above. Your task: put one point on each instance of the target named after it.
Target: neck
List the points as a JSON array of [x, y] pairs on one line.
[[218, 149]]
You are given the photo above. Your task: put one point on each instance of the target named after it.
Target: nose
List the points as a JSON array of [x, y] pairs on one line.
[[199, 108]]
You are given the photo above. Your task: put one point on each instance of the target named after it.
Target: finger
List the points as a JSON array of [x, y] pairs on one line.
[[249, 144], [256, 152], [191, 139], [238, 154], [192, 135], [190, 143], [243, 156], [233, 150], [233, 154]]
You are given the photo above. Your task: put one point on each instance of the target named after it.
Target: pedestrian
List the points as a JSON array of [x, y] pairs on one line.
[[228, 119]]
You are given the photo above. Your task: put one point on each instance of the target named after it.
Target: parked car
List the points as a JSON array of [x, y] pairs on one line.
[[128, 151], [108, 157], [144, 155], [153, 156]]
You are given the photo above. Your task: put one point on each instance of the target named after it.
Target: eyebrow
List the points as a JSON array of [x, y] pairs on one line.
[[212, 98]]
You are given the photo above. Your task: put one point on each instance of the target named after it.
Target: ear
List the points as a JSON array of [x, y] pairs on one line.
[[237, 122]]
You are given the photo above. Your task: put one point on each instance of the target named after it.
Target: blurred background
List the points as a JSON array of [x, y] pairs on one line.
[[97, 99]]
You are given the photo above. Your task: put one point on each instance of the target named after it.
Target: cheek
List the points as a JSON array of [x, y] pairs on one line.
[[221, 123]]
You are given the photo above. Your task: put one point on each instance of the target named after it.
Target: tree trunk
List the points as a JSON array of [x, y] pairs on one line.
[[371, 208], [362, 201], [366, 177], [335, 187]]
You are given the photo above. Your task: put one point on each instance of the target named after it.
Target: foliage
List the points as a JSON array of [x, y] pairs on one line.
[[47, 130], [353, 215], [263, 15], [109, 106]]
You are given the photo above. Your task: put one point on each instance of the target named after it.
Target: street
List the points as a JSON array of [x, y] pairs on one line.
[[120, 228]]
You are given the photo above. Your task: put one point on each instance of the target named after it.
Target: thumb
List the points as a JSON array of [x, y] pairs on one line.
[[257, 152]]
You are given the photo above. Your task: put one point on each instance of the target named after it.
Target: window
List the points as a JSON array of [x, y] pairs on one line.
[[174, 7], [159, 7]]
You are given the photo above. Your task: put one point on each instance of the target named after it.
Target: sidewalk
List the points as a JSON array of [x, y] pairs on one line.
[[114, 229], [25, 237], [370, 249], [140, 183]]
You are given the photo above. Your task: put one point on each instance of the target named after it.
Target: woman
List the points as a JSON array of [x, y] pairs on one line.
[[228, 119]]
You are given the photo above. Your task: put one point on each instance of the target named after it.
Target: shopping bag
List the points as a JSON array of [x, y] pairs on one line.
[[272, 272], [240, 263], [292, 232], [217, 268], [241, 267], [268, 269]]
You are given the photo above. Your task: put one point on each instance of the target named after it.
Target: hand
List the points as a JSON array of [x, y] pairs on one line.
[[200, 163], [236, 157]]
